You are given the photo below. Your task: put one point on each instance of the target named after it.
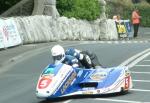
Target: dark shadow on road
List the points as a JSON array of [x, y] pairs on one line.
[[62, 99]]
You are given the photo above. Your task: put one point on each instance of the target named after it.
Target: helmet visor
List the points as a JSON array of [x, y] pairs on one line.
[[58, 57]]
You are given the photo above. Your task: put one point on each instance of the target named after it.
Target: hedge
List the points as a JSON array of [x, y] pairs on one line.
[[80, 9]]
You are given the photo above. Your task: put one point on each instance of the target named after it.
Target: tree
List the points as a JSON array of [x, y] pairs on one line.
[[80, 9], [135, 1], [6, 4], [148, 1]]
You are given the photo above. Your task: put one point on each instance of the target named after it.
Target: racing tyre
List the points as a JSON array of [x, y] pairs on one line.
[[123, 91]]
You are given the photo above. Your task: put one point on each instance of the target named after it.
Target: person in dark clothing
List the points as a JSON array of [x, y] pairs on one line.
[[86, 58]]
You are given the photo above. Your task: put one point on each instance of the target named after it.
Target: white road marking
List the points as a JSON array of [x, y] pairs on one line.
[[127, 42], [135, 41], [141, 90], [134, 57], [67, 101], [140, 72], [138, 60], [119, 101], [142, 65], [116, 42], [29, 45], [147, 60], [101, 42], [147, 81], [123, 42], [140, 41], [109, 42]]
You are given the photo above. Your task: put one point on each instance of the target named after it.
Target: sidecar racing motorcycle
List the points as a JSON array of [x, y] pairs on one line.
[[63, 80]]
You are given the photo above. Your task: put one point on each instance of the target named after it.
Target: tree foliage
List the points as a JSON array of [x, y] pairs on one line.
[[148, 1], [6, 4], [80, 9]]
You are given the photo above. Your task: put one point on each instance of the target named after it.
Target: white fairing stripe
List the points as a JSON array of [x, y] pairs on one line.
[[56, 81], [65, 69]]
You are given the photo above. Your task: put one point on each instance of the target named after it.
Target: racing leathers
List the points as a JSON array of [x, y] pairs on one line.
[[70, 60], [87, 59]]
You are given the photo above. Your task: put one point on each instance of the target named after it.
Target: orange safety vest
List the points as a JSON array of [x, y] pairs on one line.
[[135, 18]]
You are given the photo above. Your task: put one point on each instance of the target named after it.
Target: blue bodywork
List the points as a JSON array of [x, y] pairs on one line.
[[84, 79]]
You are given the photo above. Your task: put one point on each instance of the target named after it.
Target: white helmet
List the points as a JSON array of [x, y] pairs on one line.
[[58, 53]]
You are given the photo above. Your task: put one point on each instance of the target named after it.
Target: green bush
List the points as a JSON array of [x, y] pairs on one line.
[[144, 9], [6, 4], [80, 9]]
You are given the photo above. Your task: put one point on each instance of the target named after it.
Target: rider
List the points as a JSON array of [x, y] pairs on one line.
[[59, 56], [86, 58], [74, 56]]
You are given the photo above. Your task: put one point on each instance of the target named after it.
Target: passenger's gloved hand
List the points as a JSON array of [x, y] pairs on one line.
[[75, 65]]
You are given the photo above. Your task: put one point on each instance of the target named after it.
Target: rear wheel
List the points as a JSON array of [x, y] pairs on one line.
[[123, 91]]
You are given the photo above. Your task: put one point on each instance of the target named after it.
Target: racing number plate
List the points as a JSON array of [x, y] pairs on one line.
[[44, 82], [127, 82]]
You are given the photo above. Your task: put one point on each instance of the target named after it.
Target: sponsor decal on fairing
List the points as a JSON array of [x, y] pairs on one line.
[[68, 82], [98, 76]]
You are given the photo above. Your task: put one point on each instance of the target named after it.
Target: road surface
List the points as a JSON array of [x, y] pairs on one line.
[[19, 75]]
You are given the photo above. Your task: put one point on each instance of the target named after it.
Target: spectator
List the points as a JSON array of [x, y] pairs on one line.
[[136, 21], [116, 18]]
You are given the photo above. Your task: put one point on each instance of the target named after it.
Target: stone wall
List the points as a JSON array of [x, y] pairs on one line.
[[35, 29], [51, 27]]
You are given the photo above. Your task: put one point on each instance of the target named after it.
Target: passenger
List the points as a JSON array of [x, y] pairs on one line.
[[84, 59]]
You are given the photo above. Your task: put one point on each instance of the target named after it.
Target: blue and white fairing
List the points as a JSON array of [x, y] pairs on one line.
[[63, 80]]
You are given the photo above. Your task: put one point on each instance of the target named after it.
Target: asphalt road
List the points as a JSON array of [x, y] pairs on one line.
[[19, 75]]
